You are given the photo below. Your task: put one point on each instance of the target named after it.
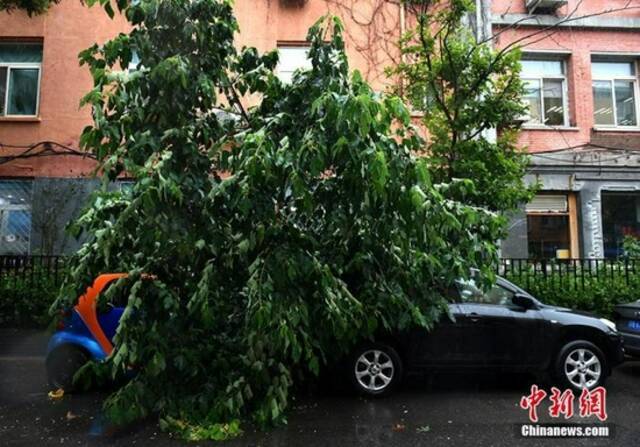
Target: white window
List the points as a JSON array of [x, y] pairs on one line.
[[292, 58], [134, 62], [614, 93], [545, 91], [20, 67]]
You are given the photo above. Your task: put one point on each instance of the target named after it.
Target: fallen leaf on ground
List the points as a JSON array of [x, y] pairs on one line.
[[57, 394], [70, 415]]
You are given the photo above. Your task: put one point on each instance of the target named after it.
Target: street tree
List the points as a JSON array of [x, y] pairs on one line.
[[31, 7], [465, 91]]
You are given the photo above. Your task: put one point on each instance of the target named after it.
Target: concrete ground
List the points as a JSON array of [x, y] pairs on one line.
[[451, 410]]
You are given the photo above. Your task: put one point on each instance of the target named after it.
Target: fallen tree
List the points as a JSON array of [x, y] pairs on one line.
[[324, 230]]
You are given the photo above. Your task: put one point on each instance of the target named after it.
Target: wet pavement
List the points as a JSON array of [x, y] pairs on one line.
[[447, 410]]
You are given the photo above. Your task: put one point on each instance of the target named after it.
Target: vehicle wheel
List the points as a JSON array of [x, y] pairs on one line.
[[62, 364], [580, 364], [375, 369]]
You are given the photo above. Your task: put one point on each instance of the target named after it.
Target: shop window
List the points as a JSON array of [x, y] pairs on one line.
[[15, 217], [552, 226], [620, 217]]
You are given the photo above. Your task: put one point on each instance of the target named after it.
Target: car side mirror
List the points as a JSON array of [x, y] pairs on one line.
[[523, 301]]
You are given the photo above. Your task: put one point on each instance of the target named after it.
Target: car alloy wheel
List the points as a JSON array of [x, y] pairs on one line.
[[582, 368], [374, 370]]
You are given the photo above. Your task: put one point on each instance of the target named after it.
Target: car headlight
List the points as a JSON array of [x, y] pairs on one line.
[[610, 324]]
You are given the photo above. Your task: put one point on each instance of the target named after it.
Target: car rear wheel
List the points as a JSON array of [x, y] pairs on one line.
[[581, 364], [62, 365], [375, 369]]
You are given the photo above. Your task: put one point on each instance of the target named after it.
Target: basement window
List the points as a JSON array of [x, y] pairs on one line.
[[15, 217]]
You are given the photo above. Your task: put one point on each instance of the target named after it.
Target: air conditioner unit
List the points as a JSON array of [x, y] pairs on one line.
[[544, 5]]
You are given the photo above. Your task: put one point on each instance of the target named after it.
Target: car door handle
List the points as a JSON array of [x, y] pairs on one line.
[[474, 317]]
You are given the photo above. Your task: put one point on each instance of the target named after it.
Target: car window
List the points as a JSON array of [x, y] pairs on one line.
[[470, 292], [113, 296]]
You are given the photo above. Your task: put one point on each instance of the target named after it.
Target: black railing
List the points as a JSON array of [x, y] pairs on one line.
[[573, 273], [24, 271], [19, 271]]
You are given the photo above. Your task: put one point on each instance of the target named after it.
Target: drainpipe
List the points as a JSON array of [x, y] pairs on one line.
[[403, 30]]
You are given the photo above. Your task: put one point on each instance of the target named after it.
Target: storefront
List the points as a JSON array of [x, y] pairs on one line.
[[588, 201]]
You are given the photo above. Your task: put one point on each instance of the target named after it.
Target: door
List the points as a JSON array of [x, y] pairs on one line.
[[441, 345], [494, 332]]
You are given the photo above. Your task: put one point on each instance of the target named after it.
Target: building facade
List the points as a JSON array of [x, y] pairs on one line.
[[41, 85], [580, 67], [582, 129]]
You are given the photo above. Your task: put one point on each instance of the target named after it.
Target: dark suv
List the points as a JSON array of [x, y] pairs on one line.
[[502, 329], [627, 318]]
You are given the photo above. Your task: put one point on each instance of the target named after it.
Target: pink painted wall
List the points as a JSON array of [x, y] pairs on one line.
[[70, 27], [65, 30], [372, 29], [371, 35], [577, 7]]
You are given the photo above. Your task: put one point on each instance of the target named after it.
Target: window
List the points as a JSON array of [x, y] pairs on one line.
[[114, 296], [15, 217], [614, 93], [20, 65], [134, 62], [620, 218], [292, 58], [552, 228], [545, 85], [471, 293]]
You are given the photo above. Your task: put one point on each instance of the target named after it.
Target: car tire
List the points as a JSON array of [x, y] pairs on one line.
[[580, 364], [62, 364], [375, 369]]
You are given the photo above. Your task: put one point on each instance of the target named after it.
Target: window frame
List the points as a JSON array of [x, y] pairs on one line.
[[612, 80], [5, 101], [540, 77], [571, 213], [460, 284], [286, 45]]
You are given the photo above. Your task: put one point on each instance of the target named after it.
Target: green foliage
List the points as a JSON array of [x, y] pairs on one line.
[[325, 229], [631, 246], [31, 7], [598, 291], [465, 90], [25, 299]]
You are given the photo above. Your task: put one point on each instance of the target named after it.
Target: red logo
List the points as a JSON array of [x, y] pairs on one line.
[[561, 403], [592, 403], [532, 401]]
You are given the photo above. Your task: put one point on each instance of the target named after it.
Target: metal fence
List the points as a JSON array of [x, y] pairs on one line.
[[24, 271], [574, 273], [18, 271]]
